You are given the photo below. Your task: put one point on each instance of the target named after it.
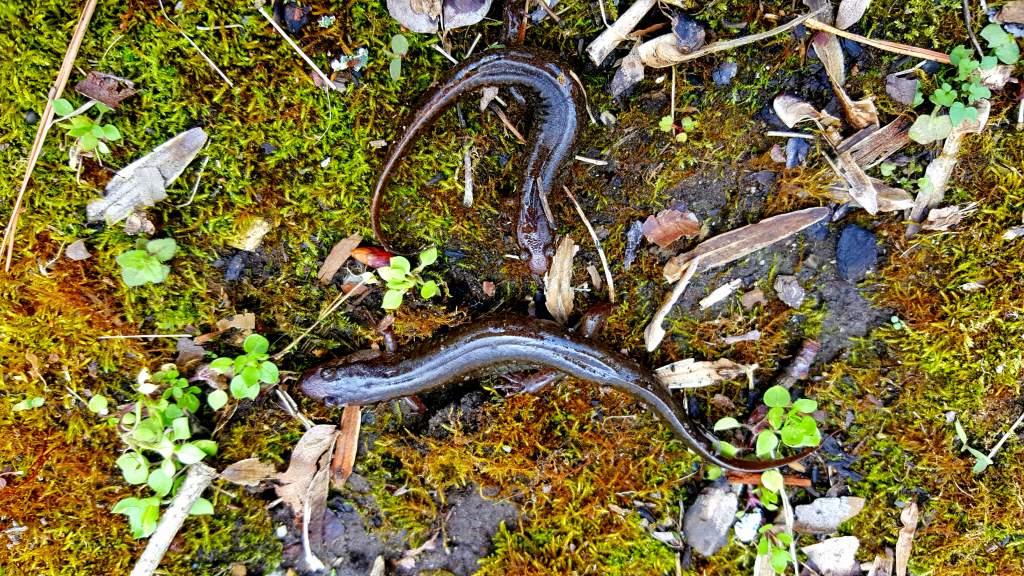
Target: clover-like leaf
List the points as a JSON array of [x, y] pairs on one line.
[[665, 124], [240, 389], [775, 416], [110, 132], [805, 406], [928, 129], [427, 257], [395, 69], [134, 467], [392, 299], [180, 429], [399, 45], [727, 423], [429, 290], [29, 403], [255, 344], [209, 447], [62, 107], [98, 404], [727, 449], [780, 559], [944, 96], [221, 365], [772, 480], [160, 482], [766, 443], [958, 113], [975, 92], [269, 373], [217, 399], [139, 267], [189, 454], [162, 249], [201, 507], [776, 396]]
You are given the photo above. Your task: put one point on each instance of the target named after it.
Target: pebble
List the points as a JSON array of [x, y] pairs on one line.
[[790, 291], [689, 33], [77, 250], [708, 520], [752, 298], [746, 527], [724, 73], [31, 117], [856, 253], [834, 557], [824, 515], [796, 152]]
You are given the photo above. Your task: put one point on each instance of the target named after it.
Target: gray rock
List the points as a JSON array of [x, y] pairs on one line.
[[856, 253], [790, 291], [834, 557], [796, 152], [77, 250], [709, 519], [747, 526], [824, 515], [901, 88], [724, 73]]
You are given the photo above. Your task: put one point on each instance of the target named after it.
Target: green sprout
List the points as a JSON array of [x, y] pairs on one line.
[[247, 372], [145, 264], [400, 279], [786, 421], [399, 48], [90, 135]]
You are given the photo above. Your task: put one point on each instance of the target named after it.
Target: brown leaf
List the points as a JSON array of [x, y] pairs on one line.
[[850, 12], [877, 144], [792, 110], [558, 292], [245, 322], [730, 246], [248, 472], [106, 88], [1012, 12], [670, 225], [337, 257], [346, 447], [308, 457], [830, 52], [692, 374], [889, 199], [861, 189], [942, 219], [372, 256], [906, 538], [77, 250]]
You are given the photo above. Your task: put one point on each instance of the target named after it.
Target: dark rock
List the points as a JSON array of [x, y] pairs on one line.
[[31, 117], [235, 267], [901, 89], [796, 152], [293, 16], [724, 73], [689, 33], [633, 237], [817, 232], [709, 519], [856, 253], [852, 49], [268, 148]]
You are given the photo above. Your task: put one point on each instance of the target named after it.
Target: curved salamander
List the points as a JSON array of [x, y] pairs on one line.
[[512, 341], [554, 95]]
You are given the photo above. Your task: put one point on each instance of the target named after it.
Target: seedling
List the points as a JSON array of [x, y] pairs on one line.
[[247, 372], [90, 135], [686, 125], [400, 279], [399, 48], [145, 264], [786, 420], [959, 93], [981, 460]]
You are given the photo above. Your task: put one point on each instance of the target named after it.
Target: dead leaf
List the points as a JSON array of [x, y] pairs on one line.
[[595, 277], [372, 256], [753, 298], [250, 238], [906, 538], [942, 219], [792, 110], [878, 144], [346, 447], [901, 89], [248, 472], [629, 74], [422, 16], [670, 225], [996, 78], [77, 251], [751, 336], [144, 182], [692, 374], [337, 257], [719, 294], [654, 333], [189, 355], [859, 186], [488, 94], [1012, 12], [731, 246], [850, 12], [105, 88], [830, 53], [378, 567], [889, 199], [1013, 233], [558, 292], [305, 484]]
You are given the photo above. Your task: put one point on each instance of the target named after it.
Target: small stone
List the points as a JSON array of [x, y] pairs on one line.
[[488, 288], [689, 33], [31, 117], [753, 298], [796, 152], [789, 290], [824, 515], [901, 89], [724, 73], [777, 154], [189, 354], [633, 237], [77, 250], [709, 519], [293, 16], [834, 557], [856, 253], [746, 527]]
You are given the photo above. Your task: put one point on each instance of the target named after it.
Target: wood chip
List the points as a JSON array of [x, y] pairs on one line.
[[1012, 12], [607, 41], [670, 225], [690, 373], [751, 336], [830, 52], [346, 446], [719, 294], [753, 298], [251, 238], [792, 110], [105, 88], [654, 333], [942, 219], [248, 472], [731, 246], [880, 144], [339, 254], [244, 322], [144, 182], [906, 538], [305, 484], [860, 187], [889, 199], [558, 292], [850, 12]]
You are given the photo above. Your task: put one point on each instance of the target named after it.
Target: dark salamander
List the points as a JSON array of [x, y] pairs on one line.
[[554, 97], [516, 342]]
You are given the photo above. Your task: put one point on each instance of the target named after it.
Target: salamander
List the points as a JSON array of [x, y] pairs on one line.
[[517, 342], [555, 98]]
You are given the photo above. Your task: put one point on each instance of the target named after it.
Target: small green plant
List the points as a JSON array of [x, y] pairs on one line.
[[246, 371], [145, 264], [400, 279], [981, 460], [786, 420], [773, 543], [959, 93], [685, 126], [399, 48], [157, 429], [90, 135], [30, 403]]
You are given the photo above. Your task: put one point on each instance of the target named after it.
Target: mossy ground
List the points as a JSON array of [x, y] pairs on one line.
[[563, 460]]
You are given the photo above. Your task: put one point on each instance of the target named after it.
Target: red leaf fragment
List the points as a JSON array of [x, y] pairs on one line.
[[670, 225]]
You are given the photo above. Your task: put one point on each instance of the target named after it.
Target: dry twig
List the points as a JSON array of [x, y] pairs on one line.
[[597, 244]]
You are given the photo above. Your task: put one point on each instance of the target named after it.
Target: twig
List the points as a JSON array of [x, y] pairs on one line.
[[328, 84], [592, 161], [999, 445], [755, 479], [472, 46], [338, 301], [63, 74], [597, 244], [784, 134], [970, 29], [654, 333], [886, 45], [654, 53], [141, 336], [198, 478], [467, 165], [787, 510], [602, 46], [223, 27], [508, 124], [288, 405], [196, 46], [195, 185], [444, 53]]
